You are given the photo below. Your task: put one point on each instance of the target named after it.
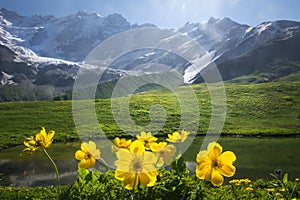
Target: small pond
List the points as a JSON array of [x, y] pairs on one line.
[[256, 158]]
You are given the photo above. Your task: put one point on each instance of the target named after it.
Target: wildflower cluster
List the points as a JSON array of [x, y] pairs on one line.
[[138, 161], [278, 188]]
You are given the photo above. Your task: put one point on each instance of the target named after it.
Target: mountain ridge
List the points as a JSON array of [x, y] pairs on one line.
[[47, 51]]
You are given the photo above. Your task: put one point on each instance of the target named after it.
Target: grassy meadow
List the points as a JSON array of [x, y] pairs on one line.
[[266, 109]]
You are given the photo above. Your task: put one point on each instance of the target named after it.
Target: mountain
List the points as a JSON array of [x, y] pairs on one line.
[[41, 55], [60, 37], [268, 50]]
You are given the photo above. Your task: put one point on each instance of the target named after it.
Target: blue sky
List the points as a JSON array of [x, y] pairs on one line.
[[165, 13]]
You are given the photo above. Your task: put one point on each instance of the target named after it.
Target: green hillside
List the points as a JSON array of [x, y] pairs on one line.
[[252, 109]]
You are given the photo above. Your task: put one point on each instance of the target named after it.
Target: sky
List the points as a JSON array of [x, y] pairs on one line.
[[165, 13]]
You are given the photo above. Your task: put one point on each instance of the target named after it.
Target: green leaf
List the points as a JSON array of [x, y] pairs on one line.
[[83, 172], [285, 178]]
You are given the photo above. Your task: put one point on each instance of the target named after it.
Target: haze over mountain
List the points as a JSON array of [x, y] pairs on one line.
[[42, 54]]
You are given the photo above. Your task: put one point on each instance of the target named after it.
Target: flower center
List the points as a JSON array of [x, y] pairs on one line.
[[137, 165], [88, 156], [38, 143], [215, 163]]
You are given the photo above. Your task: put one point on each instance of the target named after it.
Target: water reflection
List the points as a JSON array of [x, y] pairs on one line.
[[36, 172], [256, 158], [35, 169]]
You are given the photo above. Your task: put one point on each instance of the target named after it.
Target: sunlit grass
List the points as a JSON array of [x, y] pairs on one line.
[[254, 109]]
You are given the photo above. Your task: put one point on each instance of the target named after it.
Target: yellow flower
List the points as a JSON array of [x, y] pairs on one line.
[[41, 141], [240, 181], [235, 182], [246, 180], [270, 189], [120, 143], [249, 189], [177, 137], [282, 190], [136, 165], [165, 153], [147, 139], [87, 155], [212, 164]]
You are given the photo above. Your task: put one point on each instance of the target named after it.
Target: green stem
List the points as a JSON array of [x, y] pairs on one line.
[[292, 191], [55, 168], [233, 192]]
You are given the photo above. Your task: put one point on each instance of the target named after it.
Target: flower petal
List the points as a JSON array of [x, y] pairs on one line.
[[124, 154], [201, 155], [84, 148], [91, 162], [144, 178], [96, 154], [82, 164], [117, 141], [216, 178], [157, 146], [227, 170], [149, 168], [149, 158], [184, 135], [120, 175], [29, 142], [152, 178], [137, 147], [160, 162], [131, 180], [227, 157], [49, 138], [203, 169], [41, 136], [215, 150], [80, 155], [91, 146]]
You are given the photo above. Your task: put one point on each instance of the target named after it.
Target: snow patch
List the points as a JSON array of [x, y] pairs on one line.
[[249, 29], [6, 79], [149, 54], [197, 66], [263, 27]]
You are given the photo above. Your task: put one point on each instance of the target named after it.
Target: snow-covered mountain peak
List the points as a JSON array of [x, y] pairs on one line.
[[71, 37], [270, 30]]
